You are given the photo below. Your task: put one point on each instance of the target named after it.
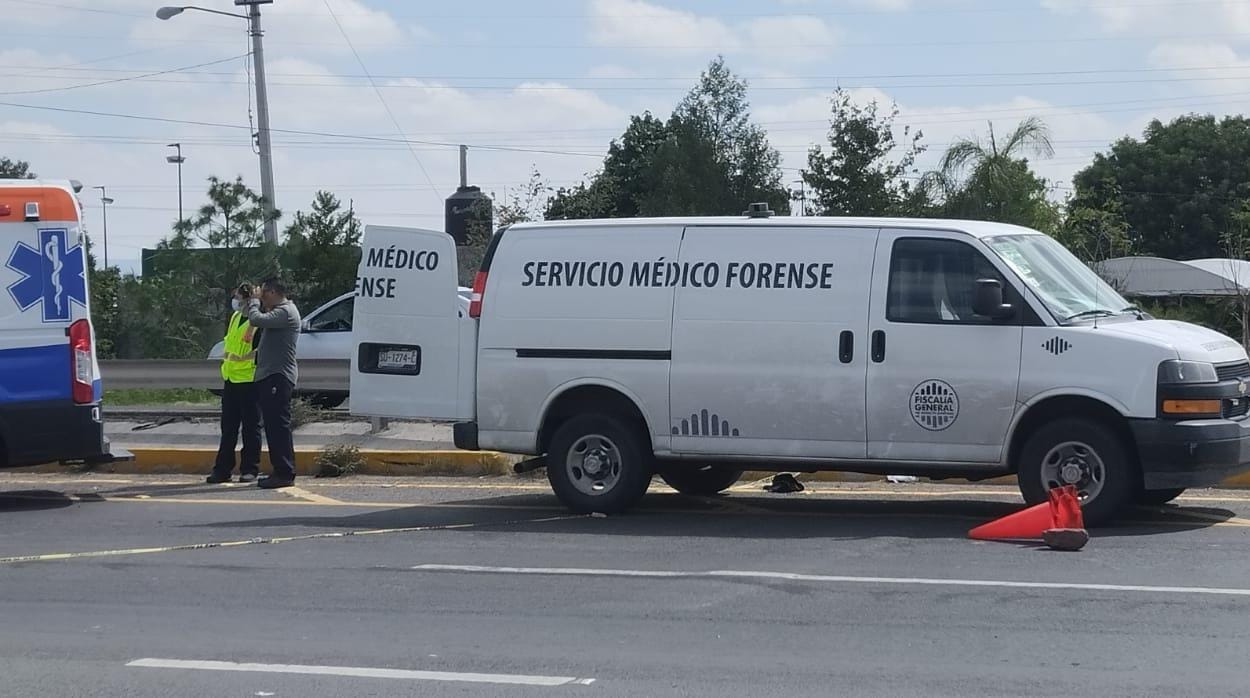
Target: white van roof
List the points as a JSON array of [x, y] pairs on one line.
[[980, 229]]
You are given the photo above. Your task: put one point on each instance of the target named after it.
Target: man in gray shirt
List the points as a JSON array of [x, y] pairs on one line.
[[276, 375]]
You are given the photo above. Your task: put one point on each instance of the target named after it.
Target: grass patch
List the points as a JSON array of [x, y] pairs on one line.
[[337, 460], [165, 396]]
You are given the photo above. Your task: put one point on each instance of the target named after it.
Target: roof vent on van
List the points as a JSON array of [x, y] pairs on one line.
[[758, 211]]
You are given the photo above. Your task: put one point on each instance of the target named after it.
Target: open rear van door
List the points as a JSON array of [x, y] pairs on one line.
[[415, 353]]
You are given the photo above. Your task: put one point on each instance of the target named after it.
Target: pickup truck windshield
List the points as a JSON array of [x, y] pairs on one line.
[[1069, 288]]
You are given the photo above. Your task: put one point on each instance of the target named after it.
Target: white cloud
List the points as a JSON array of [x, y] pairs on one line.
[[639, 24], [655, 29], [886, 5], [303, 26], [790, 39], [1231, 16]]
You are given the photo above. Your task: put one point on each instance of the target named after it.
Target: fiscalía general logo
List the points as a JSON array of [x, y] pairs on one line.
[[934, 405]]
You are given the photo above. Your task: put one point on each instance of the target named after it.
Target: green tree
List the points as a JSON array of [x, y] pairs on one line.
[[322, 251], [105, 312], [15, 169], [1178, 186], [616, 190], [178, 310], [709, 158], [1095, 234], [857, 177], [991, 179]]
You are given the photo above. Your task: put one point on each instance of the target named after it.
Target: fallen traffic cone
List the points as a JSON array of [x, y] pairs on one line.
[[1057, 522]]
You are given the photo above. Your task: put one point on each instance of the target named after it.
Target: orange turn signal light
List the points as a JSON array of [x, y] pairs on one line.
[[1191, 406]]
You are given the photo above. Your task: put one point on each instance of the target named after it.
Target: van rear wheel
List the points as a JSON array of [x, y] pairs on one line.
[[1082, 453], [598, 464], [700, 481]]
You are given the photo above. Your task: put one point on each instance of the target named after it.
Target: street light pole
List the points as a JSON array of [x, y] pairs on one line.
[[263, 142], [262, 137], [104, 207], [177, 160]]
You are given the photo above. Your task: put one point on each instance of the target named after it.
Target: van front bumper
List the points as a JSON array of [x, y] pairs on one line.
[[1192, 453]]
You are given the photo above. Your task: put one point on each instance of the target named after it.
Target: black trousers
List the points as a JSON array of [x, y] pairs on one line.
[[240, 409], [275, 406]]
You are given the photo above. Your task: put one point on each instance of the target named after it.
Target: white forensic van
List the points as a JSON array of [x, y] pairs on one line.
[[697, 348]]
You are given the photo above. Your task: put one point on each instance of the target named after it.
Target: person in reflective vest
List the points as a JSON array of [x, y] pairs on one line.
[[240, 399]]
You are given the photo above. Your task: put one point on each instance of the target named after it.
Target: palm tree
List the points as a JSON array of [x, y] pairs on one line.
[[992, 159], [991, 179]]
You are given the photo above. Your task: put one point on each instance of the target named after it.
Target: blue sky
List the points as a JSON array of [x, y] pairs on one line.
[[547, 83]]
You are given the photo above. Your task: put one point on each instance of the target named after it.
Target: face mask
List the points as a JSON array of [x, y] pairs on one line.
[[236, 304]]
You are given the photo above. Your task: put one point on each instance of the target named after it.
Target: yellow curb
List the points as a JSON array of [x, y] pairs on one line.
[[191, 461], [183, 461]]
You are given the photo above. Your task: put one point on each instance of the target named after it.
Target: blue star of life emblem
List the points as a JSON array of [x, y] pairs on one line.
[[52, 275]]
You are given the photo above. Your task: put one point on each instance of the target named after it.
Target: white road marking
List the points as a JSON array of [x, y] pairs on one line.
[[362, 672], [827, 579]]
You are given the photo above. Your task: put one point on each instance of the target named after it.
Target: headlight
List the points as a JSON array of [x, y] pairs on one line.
[[1187, 372]]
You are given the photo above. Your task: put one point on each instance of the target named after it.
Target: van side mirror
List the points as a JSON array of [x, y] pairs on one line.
[[988, 300]]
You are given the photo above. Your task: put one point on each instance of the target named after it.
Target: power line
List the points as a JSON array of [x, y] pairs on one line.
[[381, 98], [326, 134], [117, 80], [684, 77], [1013, 41]]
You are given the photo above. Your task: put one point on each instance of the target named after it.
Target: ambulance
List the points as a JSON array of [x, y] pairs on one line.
[[49, 378], [614, 350]]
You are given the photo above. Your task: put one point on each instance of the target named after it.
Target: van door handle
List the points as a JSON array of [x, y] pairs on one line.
[[878, 346], [846, 347]]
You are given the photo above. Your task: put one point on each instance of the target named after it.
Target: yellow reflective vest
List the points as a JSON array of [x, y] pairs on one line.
[[238, 344]]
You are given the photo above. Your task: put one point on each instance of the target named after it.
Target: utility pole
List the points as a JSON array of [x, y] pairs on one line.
[[263, 141], [177, 160], [104, 207]]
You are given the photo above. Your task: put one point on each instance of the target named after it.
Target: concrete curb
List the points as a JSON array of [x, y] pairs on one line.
[[196, 461]]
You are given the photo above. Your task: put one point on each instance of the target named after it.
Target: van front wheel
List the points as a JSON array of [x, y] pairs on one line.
[[597, 464], [699, 481], [1082, 453]]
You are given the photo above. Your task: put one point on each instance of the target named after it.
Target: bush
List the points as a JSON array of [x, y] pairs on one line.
[[337, 460], [304, 412]]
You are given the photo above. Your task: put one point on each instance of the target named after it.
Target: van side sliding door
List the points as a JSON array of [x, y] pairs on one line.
[[770, 345]]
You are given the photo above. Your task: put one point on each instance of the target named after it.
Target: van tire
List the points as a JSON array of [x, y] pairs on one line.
[[622, 464], [1157, 498], [1086, 444], [700, 481]]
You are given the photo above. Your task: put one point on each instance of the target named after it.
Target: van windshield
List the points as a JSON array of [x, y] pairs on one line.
[[1069, 288]]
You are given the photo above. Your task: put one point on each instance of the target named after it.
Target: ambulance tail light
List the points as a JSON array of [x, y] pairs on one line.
[[82, 370], [475, 300]]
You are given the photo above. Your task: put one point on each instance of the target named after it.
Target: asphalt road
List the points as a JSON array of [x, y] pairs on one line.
[[116, 586]]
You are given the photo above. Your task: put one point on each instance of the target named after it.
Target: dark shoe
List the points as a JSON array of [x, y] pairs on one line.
[[247, 477], [273, 483], [216, 479]]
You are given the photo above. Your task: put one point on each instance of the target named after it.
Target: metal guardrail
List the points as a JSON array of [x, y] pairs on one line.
[[314, 374]]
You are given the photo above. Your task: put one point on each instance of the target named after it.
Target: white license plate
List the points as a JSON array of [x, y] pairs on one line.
[[397, 359]]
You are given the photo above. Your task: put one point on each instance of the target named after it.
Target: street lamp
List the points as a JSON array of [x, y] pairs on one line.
[[177, 160], [262, 100], [104, 206]]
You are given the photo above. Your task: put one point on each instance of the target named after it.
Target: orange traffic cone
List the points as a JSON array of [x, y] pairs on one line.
[[1057, 522]]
